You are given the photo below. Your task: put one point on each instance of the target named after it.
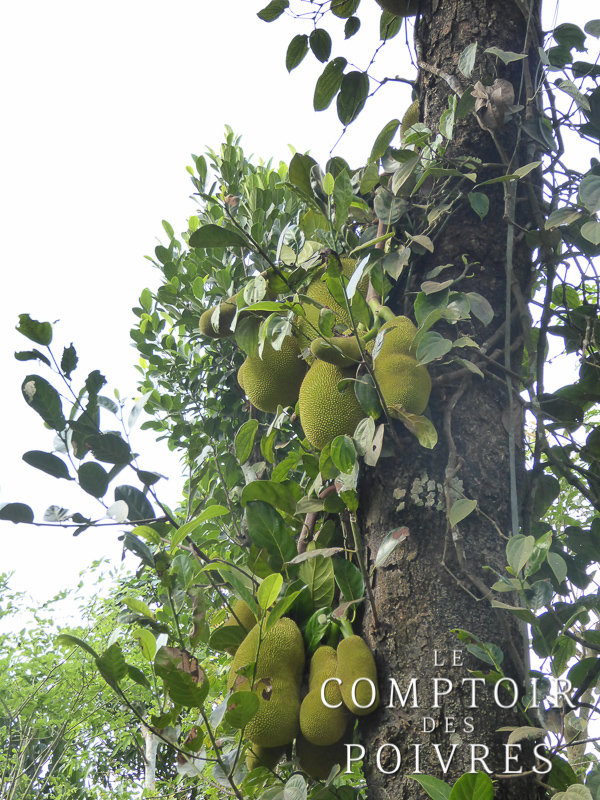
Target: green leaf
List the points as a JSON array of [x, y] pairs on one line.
[[351, 27], [479, 203], [593, 28], [297, 50], [506, 55], [343, 453], [32, 355], [68, 361], [146, 640], [296, 789], [209, 236], [432, 346], [16, 512], [466, 61], [389, 26], [93, 478], [244, 440], [562, 216], [343, 9], [383, 140], [460, 509], [320, 44], [349, 579], [275, 493], [589, 193], [480, 307], [299, 172], [329, 83], [46, 462], [419, 426], [183, 689], [473, 786], [568, 87], [591, 232], [317, 573], [138, 547], [227, 637], [241, 707], [569, 35], [351, 100], [109, 448], [111, 664], [38, 332], [557, 565], [268, 591], [403, 172], [43, 398], [267, 530], [138, 504], [435, 788], [518, 551], [74, 641], [274, 10]]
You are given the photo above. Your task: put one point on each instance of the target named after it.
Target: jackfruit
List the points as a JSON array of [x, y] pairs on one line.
[[409, 119], [275, 378], [317, 290], [320, 724], [227, 311], [317, 761], [401, 8], [267, 757], [243, 612], [354, 663], [343, 351], [277, 677], [401, 380], [324, 411]]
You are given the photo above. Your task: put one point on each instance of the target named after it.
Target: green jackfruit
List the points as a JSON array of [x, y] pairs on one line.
[[227, 311], [275, 378], [277, 677], [409, 119], [243, 612], [401, 380], [317, 761], [324, 411], [267, 757], [401, 8], [355, 662], [318, 291], [320, 724], [343, 351]]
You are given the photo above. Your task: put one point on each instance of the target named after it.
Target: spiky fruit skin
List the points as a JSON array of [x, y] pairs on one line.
[[343, 351], [227, 311], [409, 119], [267, 757], [356, 661], [317, 761], [398, 335], [275, 378], [318, 291], [401, 8], [278, 674], [243, 612], [401, 380], [319, 724], [324, 412]]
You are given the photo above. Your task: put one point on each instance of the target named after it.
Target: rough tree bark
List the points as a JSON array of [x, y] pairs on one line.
[[420, 599]]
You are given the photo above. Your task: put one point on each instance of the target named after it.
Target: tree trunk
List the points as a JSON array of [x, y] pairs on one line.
[[435, 583]]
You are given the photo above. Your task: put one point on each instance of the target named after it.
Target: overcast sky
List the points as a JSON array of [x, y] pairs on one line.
[[103, 104]]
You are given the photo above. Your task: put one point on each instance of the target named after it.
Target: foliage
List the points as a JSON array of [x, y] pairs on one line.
[[267, 519]]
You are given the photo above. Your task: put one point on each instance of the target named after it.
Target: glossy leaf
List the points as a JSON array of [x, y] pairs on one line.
[[352, 97], [317, 573], [329, 83], [244, 440], [47, 462], [461, 508], [209, 236], [241, 707], [297, 50], [343, 453], [349, 579], [138, 504], [320, 44], [38, 332], [268, 531], [43, 398]]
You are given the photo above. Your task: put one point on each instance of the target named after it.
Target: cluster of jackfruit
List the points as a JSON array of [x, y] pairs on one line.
[[320, 732], [279, 664], [325, 731]]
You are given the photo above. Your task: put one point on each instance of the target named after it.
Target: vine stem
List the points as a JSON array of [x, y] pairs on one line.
[[362, 567]]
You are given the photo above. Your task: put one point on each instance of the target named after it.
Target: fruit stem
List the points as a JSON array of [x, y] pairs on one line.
[[362, 567]]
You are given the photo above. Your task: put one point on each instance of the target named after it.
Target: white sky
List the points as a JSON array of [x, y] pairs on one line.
[[103, 104]]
